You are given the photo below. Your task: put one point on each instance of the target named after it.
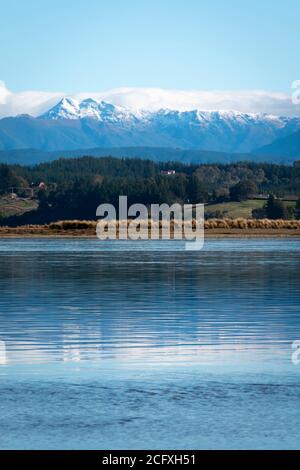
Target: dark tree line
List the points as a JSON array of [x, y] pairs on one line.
[[75, 187]]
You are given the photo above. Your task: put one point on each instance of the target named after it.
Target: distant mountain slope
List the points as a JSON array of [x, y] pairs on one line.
[[33, 156], [288, 147], [73, 125], [28, 132]]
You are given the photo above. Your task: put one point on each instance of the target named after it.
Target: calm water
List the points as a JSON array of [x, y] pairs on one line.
[[149, 350]]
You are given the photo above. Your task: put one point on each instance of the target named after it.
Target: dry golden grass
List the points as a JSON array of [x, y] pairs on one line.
[[252, 224], [220, 227], [73, 225]]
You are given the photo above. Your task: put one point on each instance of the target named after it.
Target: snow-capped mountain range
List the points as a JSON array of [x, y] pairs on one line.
[[72, 124], [69, 108]]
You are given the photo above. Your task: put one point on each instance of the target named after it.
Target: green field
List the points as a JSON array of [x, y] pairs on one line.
[[236, 210], [9, 206]]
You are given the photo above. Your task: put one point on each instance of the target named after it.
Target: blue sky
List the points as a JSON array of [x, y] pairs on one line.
[[224, 47], [189, 44]]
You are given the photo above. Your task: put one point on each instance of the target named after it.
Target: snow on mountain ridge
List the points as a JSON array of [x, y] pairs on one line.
[[107, 124], [69, 108]]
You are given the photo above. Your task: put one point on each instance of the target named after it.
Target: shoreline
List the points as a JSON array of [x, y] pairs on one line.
[[226, 228], [209, 233]]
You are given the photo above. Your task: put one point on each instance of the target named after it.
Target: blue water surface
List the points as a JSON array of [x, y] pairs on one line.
[[112, 348]]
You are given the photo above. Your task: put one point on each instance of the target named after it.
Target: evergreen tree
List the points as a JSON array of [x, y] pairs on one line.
[[297, 212], [243, 190], [275, 209]]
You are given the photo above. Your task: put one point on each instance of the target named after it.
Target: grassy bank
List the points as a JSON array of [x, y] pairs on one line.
[[213, 227], [18, 206], [235, 210]]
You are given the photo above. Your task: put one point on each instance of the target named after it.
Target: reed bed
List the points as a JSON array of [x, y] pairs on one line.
[[251, 224], [210, 224], [88, 227], [73, 225]]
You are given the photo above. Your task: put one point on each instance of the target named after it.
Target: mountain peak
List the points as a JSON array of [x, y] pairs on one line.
[[214, 130], [68, 108]]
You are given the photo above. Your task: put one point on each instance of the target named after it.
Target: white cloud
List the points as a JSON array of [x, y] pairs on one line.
[[26, 102], [36, 102], [244, 101], [4, 93]]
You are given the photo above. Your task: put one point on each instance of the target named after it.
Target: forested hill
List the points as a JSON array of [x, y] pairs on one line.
[[73, 188], [268, 177], [158, 154]]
